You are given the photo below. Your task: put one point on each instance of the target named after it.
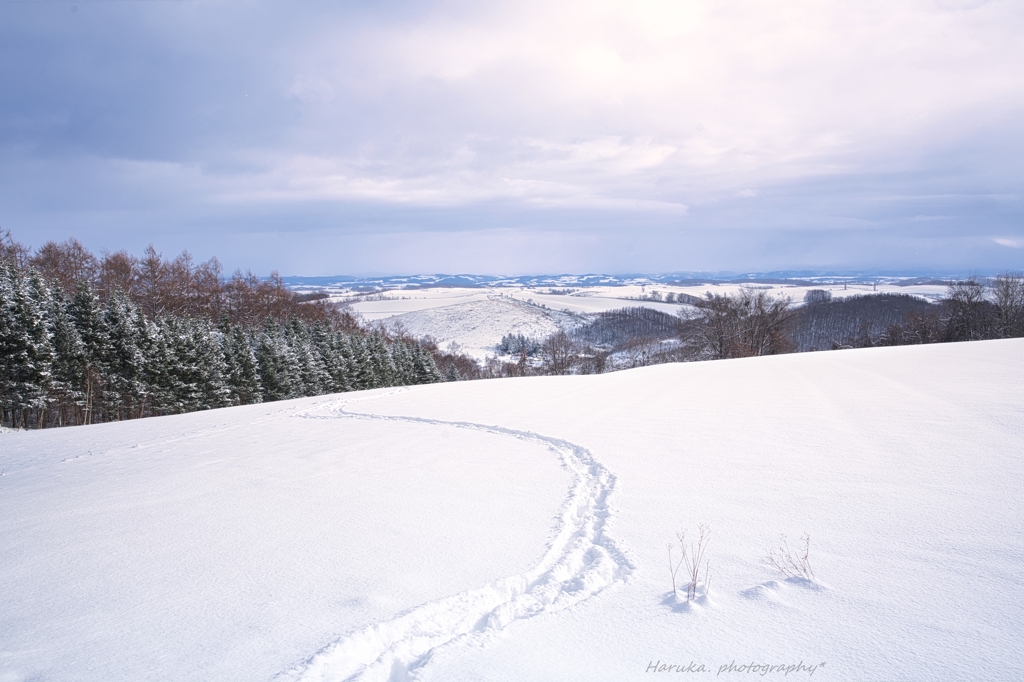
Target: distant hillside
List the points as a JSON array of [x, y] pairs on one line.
[[478, 326], [818, 326]]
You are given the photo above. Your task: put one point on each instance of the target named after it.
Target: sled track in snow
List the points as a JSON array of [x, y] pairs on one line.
[[580, 561]]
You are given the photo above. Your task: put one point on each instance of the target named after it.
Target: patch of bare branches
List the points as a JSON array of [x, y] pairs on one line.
[[692, 558], [176, 286], [790, 563], [750, 323]]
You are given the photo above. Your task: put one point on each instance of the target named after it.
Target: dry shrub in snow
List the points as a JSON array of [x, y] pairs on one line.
[[786, 562], [692, 556]]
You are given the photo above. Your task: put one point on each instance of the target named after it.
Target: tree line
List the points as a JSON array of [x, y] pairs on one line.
[[753, 322], [86, 340]]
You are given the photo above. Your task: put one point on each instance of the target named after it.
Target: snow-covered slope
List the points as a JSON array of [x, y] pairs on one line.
[[477, 326], [516, 529], [597, 299]]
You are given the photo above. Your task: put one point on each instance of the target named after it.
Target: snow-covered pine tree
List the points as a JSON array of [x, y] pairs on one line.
[[327, 344], [13, 344], [166, 373], [278, 377], [426, 370], [25, 352], [207, 344], [86, 314], [243, 379], [195, 365], [342, 345], [313, 376], [161, 381], [363, 367], [125, 392], [380, 359], [67, 385], [452, 373], [401, 356]]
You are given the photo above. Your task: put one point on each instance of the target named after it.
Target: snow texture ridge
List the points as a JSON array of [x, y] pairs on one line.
[[580, 562]]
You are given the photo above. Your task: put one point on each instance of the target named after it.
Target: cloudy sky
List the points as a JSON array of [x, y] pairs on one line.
[[323, 137]]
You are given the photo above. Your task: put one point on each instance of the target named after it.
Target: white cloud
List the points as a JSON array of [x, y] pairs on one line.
[[879, 127], [714, 96], [1012, 243]]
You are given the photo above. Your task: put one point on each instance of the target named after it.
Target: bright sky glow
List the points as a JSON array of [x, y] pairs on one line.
[[520, 137]]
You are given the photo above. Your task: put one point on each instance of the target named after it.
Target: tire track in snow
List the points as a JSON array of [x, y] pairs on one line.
[[580, 562]]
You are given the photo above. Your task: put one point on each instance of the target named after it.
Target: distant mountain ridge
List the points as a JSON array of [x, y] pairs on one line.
[[804, 277]]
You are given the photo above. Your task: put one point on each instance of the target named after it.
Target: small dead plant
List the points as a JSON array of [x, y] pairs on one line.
[[788, 563], [692, 556]]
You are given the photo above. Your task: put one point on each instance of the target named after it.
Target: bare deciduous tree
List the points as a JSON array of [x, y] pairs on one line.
[[65, 264], [118, 271], [12, 252], [968, 315], [750, 323], [560, 353], [817, 296], [1008, 295]]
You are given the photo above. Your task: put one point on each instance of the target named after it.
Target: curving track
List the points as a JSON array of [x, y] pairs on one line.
[[580, 562]]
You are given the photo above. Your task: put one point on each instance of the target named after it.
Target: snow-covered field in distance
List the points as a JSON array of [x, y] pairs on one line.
[[477, 326], [477, 318], [516, 529], [597, 299]]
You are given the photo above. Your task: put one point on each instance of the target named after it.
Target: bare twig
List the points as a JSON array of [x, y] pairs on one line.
[[783, 560], [673, 567], [692, 557]]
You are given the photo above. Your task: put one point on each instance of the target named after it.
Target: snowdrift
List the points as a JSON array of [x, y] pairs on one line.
[[516, 529]]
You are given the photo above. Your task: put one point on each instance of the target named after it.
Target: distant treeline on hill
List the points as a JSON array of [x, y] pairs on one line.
[[857, 320], [754, 322], [86, 340]]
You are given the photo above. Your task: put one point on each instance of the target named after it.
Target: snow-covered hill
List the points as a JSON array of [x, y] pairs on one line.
[[516, 529], [477, 318], [477, 326]]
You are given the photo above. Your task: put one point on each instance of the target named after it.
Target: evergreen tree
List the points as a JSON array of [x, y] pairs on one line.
[[162, 382], [25, 351], [86, 315], [363, 369], [425, 370], [328, 346], [401, 356], [452, 373], [276, 365], [69, 364], [125, 361], [313, 378], [193, 376], [243, 379], [347, 364], [383, 367], [211, 369]]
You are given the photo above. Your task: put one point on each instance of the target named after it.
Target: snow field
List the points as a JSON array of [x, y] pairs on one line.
[[596, 299], [903, 464], [477, 319], [479, 325], [233, 544], [516, 529], [580, 562]]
